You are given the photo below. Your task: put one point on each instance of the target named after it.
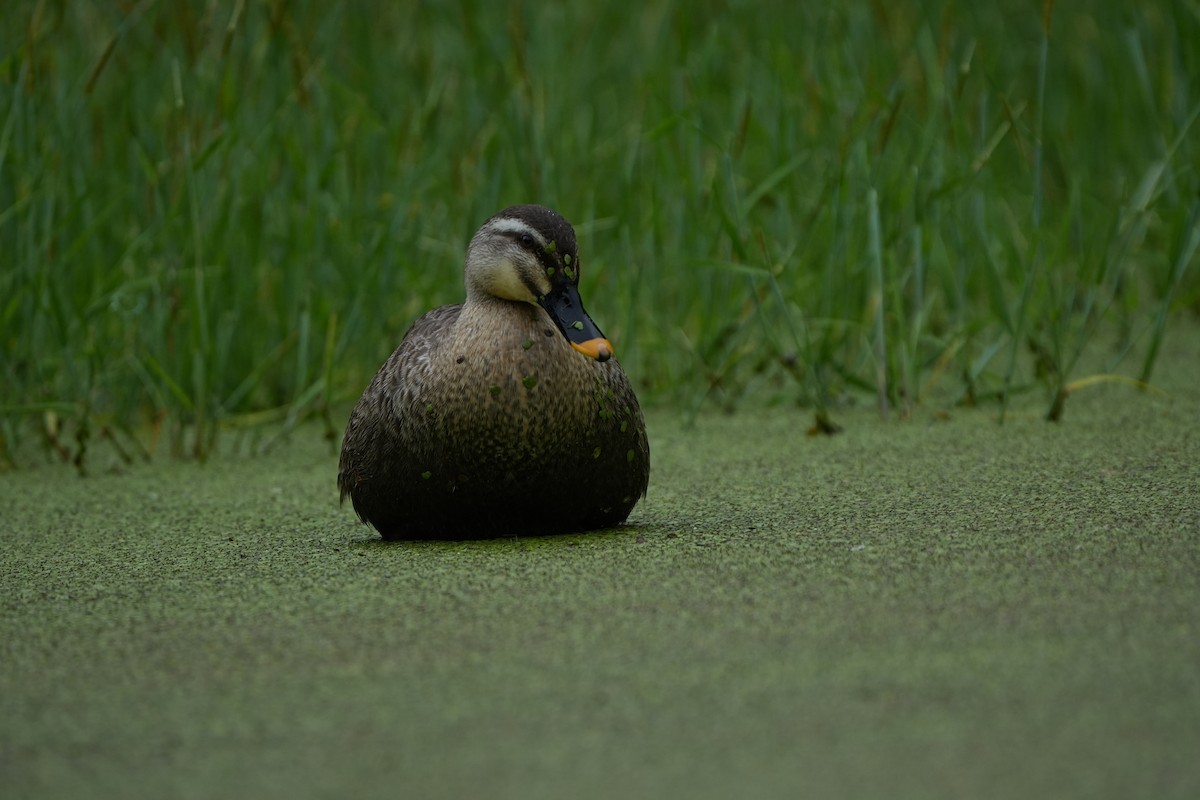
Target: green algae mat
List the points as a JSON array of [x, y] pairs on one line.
[[937, 607]]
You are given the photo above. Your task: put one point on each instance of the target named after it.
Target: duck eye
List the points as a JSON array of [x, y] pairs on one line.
[[526, 240]]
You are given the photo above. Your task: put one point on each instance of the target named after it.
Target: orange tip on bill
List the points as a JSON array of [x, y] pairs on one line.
[[599, 349]]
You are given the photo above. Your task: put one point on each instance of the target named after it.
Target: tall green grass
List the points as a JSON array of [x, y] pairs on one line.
[[218, 214]]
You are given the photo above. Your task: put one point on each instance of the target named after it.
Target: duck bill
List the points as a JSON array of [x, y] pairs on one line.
[[566, 309]]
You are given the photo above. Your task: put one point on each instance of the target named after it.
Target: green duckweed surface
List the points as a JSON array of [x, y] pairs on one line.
[[939, 607]]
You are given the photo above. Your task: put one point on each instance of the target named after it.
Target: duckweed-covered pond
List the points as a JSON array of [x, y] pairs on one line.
[[939, 607]]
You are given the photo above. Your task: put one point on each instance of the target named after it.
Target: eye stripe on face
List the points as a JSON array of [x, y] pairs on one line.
[[518, 229], [552, 255], [522, 232]]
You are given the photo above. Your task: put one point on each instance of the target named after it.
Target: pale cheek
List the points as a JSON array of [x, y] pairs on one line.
[[506, 284]]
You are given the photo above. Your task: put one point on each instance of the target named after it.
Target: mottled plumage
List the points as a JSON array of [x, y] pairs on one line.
[[487, 420]]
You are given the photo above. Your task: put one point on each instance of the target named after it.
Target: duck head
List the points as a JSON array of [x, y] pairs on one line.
[[528, 254]]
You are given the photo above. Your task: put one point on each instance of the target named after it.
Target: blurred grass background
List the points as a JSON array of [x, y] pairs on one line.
[[217, 214]]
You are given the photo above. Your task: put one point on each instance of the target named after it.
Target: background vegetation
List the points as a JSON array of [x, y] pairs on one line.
[[218, 213]]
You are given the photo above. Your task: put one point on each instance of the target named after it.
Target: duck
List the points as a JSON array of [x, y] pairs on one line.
[[505, 415]]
